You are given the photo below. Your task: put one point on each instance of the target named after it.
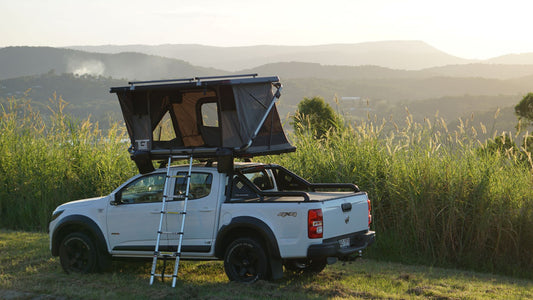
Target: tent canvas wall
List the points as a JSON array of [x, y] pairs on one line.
[[205, 117]]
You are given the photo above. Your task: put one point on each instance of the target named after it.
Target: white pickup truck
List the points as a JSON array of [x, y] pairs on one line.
[[257, 219]]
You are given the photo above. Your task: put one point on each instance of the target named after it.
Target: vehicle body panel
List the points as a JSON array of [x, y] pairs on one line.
[[130, 228]]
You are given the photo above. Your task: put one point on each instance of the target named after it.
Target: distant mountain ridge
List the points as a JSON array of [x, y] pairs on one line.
[[84, 78], [24, 61], [403, 55], [27, 61]]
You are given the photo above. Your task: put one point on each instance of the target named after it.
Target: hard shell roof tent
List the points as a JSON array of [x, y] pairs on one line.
[[206, 117]]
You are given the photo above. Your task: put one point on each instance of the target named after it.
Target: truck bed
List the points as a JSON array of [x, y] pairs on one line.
[[313, 196]]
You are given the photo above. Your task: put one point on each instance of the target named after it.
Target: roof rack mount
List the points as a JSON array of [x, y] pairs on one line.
[[226, 76], [164, 80]]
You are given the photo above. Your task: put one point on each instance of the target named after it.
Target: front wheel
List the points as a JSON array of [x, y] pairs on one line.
[[245, 261], [306, 266], [78, 254]]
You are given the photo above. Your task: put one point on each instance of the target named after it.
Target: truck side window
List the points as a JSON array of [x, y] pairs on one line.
[[288, 182], [146, 189], [200, 185], [261, 179]]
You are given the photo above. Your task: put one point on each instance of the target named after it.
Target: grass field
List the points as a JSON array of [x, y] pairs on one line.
[[27, 270]]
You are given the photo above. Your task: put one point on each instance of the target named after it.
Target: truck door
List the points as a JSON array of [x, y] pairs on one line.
[[133, 220], [201, 209]]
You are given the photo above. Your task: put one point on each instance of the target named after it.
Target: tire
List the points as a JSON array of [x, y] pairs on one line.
[[306, 266], [246, 261], [78, 254]]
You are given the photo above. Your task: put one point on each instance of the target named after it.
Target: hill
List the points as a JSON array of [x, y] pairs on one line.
[[424, 97], [513, 59], [453, 90], [315, 70], [86, 95], [485, 70], [23, 61], [409, 55]]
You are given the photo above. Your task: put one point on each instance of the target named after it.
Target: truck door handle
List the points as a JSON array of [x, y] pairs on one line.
[[206, 210], [346, 207]]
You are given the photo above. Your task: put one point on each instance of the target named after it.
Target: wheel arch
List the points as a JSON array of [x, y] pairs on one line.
[[246, 226], [78, 223]]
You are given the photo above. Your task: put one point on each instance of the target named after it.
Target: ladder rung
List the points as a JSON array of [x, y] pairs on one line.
[[174, 197], [165, 253], [174, 212], [166, 275], [176, 176], [170, 232]]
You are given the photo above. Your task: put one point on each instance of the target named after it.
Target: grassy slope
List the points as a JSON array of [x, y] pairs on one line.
[[27, 270]]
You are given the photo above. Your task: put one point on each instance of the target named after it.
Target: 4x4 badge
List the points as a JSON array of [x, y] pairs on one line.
[[288, 214]]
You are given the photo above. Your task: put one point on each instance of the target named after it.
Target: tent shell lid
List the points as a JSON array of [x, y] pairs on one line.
[[190, 83]]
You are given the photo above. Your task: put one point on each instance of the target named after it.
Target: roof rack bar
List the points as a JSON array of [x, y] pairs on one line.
[[164, 80], [133, 83], [226, 76]]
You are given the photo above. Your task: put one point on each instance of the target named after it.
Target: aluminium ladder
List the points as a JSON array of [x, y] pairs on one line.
[[168, 195]]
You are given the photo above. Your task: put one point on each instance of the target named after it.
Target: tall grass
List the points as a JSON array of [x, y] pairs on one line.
[[439, 195], [46, 162]]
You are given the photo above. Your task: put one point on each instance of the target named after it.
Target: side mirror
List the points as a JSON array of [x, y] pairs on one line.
[[118, 199]]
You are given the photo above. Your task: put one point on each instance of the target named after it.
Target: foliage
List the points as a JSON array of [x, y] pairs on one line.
[[28, 272], [48, 162], [317, 116], [439, 197], [505, 145], [524, 109], [436, 197]]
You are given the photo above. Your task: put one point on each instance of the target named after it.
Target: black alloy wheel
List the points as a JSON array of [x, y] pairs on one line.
[[78, 254], [246, 261]]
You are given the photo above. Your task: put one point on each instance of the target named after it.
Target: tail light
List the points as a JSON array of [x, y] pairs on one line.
[[369, 213], [314, 223]]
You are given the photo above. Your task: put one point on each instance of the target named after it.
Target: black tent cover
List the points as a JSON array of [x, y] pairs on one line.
[[206, 117]]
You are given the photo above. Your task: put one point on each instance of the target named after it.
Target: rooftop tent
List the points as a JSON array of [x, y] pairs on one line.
[[207, 117]]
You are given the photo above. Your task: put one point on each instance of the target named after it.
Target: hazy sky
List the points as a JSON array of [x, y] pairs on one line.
[[468, 29]]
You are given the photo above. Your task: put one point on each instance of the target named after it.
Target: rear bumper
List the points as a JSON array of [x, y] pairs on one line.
[[331, 247]]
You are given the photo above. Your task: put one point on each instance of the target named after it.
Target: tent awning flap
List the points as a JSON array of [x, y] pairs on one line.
[[252, 102]]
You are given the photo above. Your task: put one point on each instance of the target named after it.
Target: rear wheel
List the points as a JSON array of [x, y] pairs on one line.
[[78, 254], [245, 261], [306, 266]]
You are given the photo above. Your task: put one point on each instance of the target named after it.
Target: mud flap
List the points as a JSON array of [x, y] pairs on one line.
[[276, 268]]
